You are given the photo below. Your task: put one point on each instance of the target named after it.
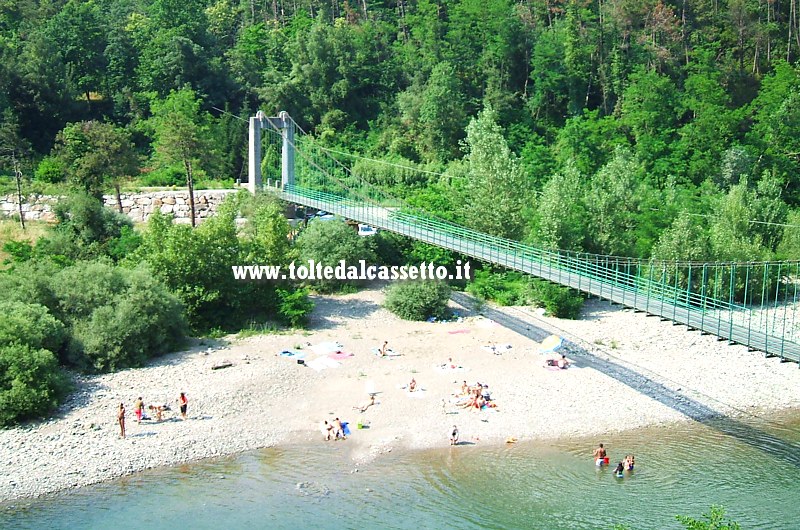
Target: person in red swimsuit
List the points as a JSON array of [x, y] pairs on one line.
[[184, 404]]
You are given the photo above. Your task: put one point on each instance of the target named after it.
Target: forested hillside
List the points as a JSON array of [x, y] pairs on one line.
[[632, 127]]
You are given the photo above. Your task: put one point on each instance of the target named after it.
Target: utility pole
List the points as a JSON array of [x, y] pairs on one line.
[[18, 178]]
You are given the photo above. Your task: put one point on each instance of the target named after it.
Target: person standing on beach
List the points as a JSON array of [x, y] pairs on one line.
[[121, 420], [184, 403], [454, 436], [138, 409]]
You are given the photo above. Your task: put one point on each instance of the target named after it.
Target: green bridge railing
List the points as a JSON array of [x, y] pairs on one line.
[[746, 303], [754, 304]]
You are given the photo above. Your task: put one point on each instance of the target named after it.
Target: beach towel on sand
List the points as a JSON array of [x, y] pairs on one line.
[[324, 348], [321, 363], [293, 354], [389, 353], [456, 331], [339, 355]]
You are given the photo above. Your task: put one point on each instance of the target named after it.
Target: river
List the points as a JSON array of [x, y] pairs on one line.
[[751, 467]]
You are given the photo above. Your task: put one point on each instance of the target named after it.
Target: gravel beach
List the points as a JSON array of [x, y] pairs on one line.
[[628, 371]]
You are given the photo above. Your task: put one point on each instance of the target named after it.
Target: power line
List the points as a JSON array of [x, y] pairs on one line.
[[750, 221], [401, 166], [393, 164], [230, 114]]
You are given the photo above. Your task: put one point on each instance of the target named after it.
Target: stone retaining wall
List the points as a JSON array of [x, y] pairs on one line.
[[137, 206]]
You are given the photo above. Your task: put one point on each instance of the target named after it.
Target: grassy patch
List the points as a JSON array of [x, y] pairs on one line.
[[10, 230]]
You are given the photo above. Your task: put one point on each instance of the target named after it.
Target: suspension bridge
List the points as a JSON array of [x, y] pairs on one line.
[[750, 303]]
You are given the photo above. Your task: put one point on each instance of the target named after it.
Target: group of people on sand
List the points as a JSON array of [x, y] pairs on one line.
[[561, 362], [601, 458], [158, 410], [475, 397], [334, 430]]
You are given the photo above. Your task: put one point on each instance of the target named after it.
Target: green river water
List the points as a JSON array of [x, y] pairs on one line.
[[751, 467]]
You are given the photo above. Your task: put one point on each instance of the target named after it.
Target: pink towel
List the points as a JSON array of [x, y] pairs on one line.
[[339, 355], [458, 331]]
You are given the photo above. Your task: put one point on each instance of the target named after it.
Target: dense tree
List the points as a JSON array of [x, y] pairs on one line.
[[612, 202], [561, 214], [701, 92], [328, 243], [95, 155], [495, 191], [181, 135], [80, 36], [419, 300]]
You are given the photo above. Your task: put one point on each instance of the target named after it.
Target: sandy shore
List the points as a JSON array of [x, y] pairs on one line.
[[629, 370]]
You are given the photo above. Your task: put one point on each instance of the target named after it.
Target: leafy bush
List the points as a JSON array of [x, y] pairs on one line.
[[508, 288], [118, 317], [196, 265], [142, 320], [31, 282], [714, 520], [18, 251], [50, 171], [165, 176], [558, 301], [419, 300], [329, 242], [86, 229], [85, 286], [295, 307], [30, 324], [31, 383]]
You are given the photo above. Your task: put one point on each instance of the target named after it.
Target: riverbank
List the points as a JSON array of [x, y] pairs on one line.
[[629, 371]]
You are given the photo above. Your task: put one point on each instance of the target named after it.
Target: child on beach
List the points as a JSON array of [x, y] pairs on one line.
[[138, 409], [327, 430], [184, 402], [454, 436]]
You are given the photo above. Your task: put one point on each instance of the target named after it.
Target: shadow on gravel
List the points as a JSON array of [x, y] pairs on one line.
[[141, 434], [787, 451], [326, 310]]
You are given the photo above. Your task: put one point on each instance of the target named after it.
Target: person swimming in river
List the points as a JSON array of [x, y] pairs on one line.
[[629, 462], [600, 456], [619, 469]]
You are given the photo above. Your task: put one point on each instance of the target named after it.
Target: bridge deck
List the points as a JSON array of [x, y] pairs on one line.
[[651, 297]]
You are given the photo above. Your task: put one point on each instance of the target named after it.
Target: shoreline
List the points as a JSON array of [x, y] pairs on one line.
[[629, 371]]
